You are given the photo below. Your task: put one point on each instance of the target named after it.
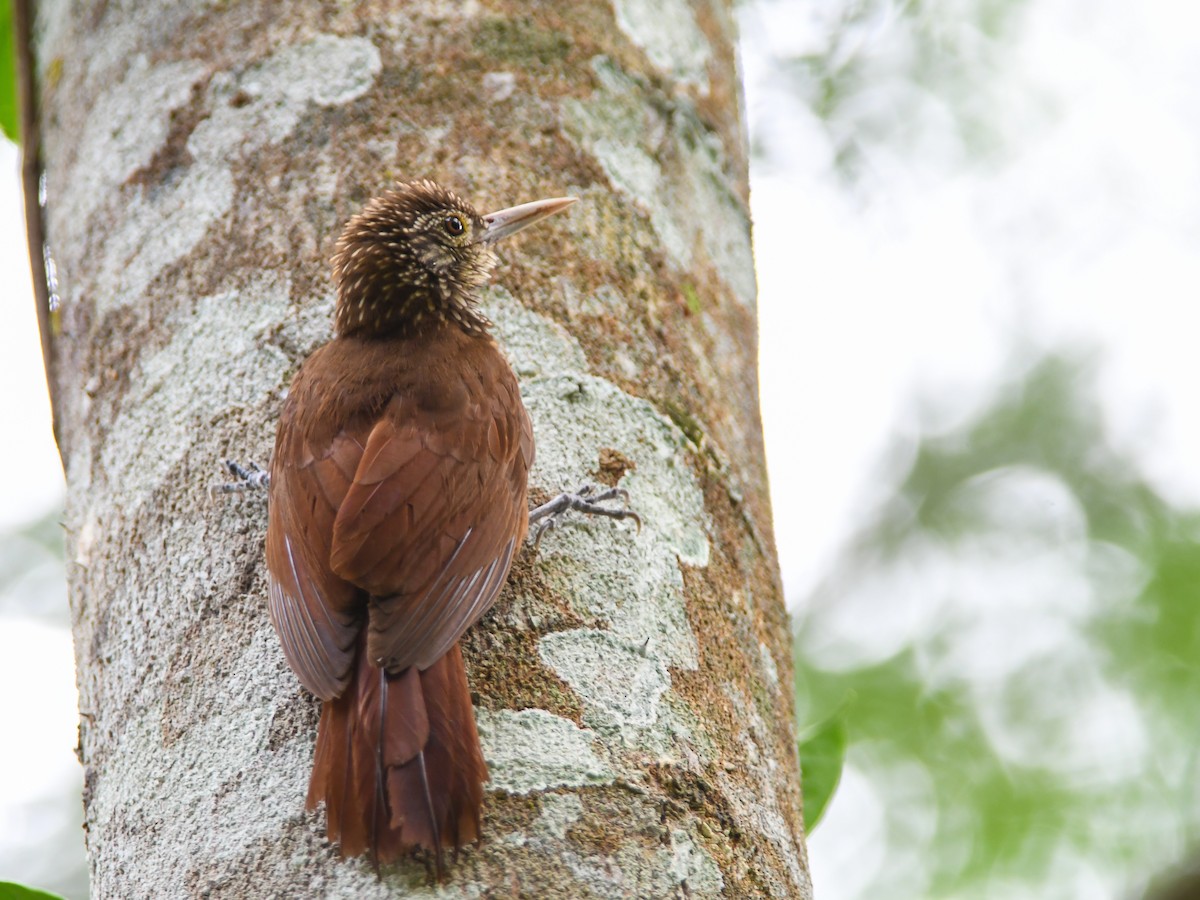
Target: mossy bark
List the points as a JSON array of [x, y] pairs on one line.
[[633, 690]]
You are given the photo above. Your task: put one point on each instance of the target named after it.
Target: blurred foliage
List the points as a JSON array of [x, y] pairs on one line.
[[41, 839], [11, 891], [915, 76], [9, 116], [32, 582], [1045, 678], [822, 756]]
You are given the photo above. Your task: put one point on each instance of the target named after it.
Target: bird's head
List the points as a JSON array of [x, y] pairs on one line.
[[415, 255]]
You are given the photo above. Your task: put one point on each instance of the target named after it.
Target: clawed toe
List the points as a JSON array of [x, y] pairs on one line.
[[252, 477], [585, 499]]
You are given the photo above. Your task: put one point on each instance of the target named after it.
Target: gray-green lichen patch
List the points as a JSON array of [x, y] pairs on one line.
[[677, 866], [624, 136], [689, 198], [167, 405], [251, 789], [630, 580], [531, 342], [121, 136], [271, 96], [629, 583], [753, 797], [695, 869], [618, 683], [768, 664], [533, 750], [559, 813], [667, 31], [498, 86], [680, 869], [609, 571], [245, 112], [100, 45], [159, 230]]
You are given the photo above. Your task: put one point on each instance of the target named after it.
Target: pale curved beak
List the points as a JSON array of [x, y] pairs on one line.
[[501, 224]]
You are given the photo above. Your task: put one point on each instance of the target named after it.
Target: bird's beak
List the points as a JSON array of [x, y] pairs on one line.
[[509, 221]]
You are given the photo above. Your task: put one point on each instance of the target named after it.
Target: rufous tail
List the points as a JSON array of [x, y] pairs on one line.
[[398, 762]]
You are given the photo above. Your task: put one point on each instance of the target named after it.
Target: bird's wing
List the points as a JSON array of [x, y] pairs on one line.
[[314, 611], [433, 518]]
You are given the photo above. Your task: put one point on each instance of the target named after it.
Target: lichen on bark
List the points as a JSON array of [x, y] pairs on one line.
[[632, 688]]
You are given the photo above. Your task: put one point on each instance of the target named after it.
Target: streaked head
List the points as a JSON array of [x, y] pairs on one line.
[[416, 254]]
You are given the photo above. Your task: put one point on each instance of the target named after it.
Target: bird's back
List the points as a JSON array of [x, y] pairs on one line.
[[398, 500], [402, 466]]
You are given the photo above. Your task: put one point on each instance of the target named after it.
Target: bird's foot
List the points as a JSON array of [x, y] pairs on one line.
[[252, 477], [587, 499]]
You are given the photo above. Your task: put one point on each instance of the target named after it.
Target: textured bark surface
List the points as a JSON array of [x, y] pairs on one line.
[[633, 690]]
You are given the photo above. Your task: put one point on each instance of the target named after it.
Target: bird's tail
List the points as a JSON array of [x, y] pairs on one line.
[[398, 761]]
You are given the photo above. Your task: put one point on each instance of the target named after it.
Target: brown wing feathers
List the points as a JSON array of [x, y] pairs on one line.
[[385, 545]]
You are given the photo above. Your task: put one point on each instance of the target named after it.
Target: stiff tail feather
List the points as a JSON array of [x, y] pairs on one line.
[[398, 762]]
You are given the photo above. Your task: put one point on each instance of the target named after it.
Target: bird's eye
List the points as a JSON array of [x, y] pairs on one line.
[[453, 225]]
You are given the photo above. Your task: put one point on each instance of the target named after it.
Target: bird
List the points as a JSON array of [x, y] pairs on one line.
[[397, 499]]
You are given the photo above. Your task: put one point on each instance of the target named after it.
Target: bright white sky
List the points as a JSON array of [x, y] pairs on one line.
[[34, 483], [1087, 230], [37, 755]]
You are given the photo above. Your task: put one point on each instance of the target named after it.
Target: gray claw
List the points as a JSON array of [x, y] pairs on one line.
[[252, 477], [585, 500]]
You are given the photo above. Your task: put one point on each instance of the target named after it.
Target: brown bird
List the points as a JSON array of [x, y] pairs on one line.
[[397, 502]]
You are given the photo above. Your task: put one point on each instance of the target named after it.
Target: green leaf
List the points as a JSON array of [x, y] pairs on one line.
[[822, 754], [9, 117], [12, 891]]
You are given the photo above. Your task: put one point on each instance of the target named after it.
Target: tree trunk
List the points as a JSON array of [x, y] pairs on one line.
[[633, 690]]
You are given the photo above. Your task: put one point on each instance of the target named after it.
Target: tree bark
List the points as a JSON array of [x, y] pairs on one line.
[[633, 690]]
